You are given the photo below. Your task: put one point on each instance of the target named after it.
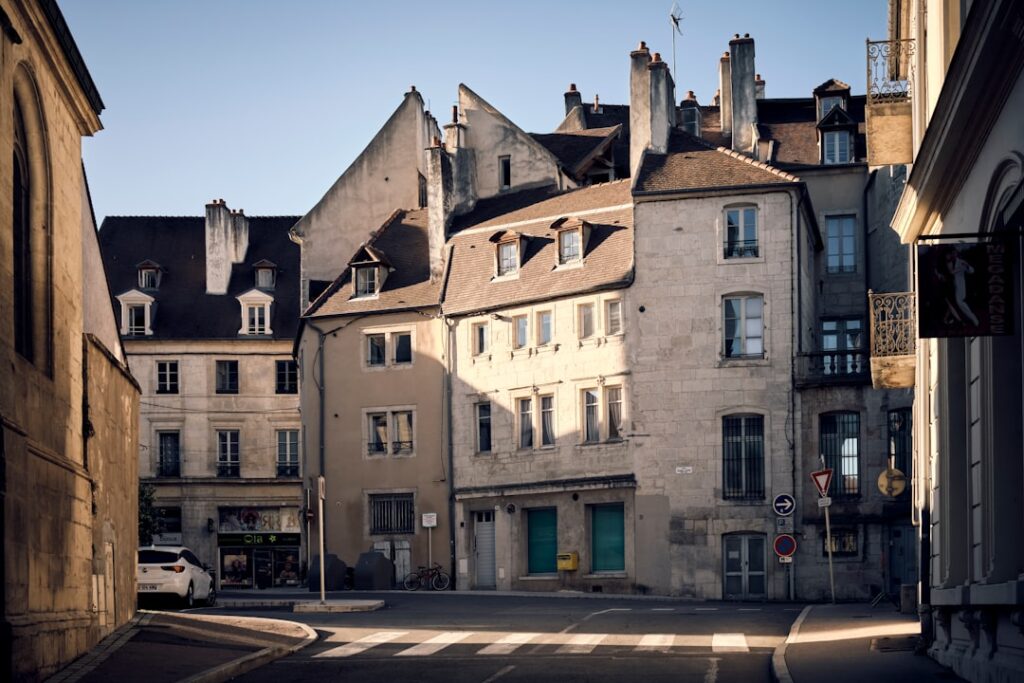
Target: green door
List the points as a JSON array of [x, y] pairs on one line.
[[542, 539], [608, 538]]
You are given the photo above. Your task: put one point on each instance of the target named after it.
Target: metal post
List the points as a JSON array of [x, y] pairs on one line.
[[828, 541], [320, 526], [430, 547]]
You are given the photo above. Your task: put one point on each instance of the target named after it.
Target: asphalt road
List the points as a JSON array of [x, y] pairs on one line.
[[474, 638]]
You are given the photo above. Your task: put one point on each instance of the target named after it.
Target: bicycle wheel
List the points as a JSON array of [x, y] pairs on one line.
[[412, 581], [441, 581]]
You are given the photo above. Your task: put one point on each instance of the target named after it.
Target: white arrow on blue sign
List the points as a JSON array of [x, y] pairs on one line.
[[784, 504]]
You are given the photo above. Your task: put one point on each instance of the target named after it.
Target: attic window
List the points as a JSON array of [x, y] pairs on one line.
[[137, 312], [508, 258], [266, 275], [836, 147], [569, 246], [825, 105], [504, 172], [366, 281], [149, 278]]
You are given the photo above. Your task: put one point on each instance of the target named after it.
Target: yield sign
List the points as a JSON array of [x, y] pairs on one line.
[[822, 479]]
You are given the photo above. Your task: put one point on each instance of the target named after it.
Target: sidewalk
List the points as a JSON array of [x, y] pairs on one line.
[[165, 647], [853, 643]]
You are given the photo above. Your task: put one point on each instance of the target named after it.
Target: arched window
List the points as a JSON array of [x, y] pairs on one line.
[[22, 240]]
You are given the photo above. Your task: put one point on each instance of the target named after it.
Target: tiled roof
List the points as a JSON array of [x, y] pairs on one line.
[[404, 243], [792, 123], [541, 202], [608, 261], [575, 148], [693, 164], [183, 308]]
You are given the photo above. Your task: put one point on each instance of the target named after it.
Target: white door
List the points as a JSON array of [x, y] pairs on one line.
[[402, 560], [483, 548], [743, 565]]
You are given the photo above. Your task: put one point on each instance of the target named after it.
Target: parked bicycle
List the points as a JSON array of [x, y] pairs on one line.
[[432, 576]]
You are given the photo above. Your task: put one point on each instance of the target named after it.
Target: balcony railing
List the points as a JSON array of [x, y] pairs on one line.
[[890, 70], [893, 324], [287, 470], [846, 366], [740, 249]]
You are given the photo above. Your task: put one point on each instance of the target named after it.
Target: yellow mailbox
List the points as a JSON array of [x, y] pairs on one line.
[[568, 562]]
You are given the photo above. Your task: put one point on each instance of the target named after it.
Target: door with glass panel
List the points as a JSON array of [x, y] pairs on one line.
[[483, 548], [743, 561]]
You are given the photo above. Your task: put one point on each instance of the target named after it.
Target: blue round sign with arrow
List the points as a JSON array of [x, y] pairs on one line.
[[784, 504]]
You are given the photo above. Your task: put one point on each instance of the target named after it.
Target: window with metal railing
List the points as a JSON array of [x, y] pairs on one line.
[[227, 453], [743, 457], [288, 453], [839, 436], [169, 463], [741, 232], [392, 513]]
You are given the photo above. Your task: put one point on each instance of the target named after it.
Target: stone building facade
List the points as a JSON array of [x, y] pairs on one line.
[[68, 405], [207, 307]]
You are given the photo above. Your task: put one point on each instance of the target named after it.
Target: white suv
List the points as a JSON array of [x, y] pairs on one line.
[[169, 569]]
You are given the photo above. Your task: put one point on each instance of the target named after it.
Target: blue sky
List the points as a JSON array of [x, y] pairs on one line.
[[266, 103]]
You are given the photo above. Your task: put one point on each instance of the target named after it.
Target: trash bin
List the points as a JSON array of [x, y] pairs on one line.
[[374, 571], [334, 574]]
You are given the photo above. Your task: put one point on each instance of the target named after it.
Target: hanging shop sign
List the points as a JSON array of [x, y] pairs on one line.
[[965, 289]]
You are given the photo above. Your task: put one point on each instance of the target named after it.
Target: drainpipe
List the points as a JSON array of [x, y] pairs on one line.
[[451, 447], [796, 306]]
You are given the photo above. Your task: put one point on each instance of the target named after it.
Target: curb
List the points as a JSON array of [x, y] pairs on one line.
[[107, 646], [305, 605], [253, 660], [779, 669]]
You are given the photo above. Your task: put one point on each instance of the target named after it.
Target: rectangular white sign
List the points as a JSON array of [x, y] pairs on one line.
[[429, 520], [824, 502]]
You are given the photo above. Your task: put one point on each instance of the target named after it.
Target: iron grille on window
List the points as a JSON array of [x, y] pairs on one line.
[[743, 457], [840, 446], [170, 455], [391, 513]]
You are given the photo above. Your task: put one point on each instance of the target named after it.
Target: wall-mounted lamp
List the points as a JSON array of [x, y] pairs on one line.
[[209, 525], [510, 508]]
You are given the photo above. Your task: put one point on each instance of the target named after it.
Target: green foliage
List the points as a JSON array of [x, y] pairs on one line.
[[148, 521]]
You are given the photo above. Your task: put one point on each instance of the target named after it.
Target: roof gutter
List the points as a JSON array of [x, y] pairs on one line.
[[665, 195]]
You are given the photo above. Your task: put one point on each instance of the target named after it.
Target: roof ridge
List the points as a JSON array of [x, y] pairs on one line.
[[130, 215], [757, 163]]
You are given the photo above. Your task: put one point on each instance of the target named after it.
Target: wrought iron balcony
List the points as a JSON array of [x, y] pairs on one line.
[[893, 339], [740, 249], [840, 366], [888, 115]]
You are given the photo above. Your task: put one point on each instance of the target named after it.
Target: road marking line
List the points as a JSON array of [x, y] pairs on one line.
[[780, 670], [581, 644], [435, 644], [658, 642], [729, 642], [750, 609], [705, 609], [508, 644], [663, 609], [362, 645], [498, 674]]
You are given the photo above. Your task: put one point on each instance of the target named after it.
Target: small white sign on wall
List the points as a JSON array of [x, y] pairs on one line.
[[429, 520]]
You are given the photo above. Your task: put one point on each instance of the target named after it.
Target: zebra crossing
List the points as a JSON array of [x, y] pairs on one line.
[[351, 642]]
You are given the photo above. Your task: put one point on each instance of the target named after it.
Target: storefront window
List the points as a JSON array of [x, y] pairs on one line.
[[236, 567], [286, 567]]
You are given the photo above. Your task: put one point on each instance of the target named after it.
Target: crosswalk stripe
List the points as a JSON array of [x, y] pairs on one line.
[[362, 645], [729, 642], [656, 641], [508, 644], [581, 643], [435, 644]]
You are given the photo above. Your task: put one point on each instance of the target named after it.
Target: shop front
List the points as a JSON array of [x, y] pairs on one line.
[[259, 547]]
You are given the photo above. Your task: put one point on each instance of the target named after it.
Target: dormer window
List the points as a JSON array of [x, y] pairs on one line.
[[508, 258], [266, 274], [826, 103], [255, 312], [149, 275], [572, 240], [366, 281], [136, 313]]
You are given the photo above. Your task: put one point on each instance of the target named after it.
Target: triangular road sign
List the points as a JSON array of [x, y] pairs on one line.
[[822, 479]]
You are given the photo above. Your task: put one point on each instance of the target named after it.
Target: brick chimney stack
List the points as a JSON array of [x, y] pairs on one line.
[[744, 94], [573, 98]]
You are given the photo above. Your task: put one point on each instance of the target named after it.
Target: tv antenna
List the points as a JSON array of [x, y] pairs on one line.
[[675, 17]]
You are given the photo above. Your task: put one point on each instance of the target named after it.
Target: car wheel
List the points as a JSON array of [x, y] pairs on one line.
[[211, 597], [190, 597]]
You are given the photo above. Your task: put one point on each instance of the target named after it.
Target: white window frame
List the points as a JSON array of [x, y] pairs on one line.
[[507, 264], [602, 414], [554, 422], [827, 102], [256, 318], [831, 149], [589, 306], [480, 338], [398, 450], [149, 278], [539, 327], [585, 422], [847, 261], [390, 335], [363, 278], [520, 433], [741, 250], [135, 298], [167, 371], [227, 457], [520, 323], [578, 257], [608, 305], [255, 299], [742, 326], [617, 435], [290, 452]]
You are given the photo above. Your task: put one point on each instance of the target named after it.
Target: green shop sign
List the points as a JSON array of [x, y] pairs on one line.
[[260, 538]]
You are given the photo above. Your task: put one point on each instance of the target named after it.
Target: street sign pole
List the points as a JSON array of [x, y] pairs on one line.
[[430, 546], [828, 542], [320, 525]]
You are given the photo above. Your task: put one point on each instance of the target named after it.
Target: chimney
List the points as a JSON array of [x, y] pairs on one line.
[[454, 132], [573, 98], [227, 240], [639, 105], [725, 92], [663, 104], [440, 201], [759, 87], [744, 99], [716, 101]]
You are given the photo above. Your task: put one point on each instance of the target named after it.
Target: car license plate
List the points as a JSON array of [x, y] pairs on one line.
[[148, 586]]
